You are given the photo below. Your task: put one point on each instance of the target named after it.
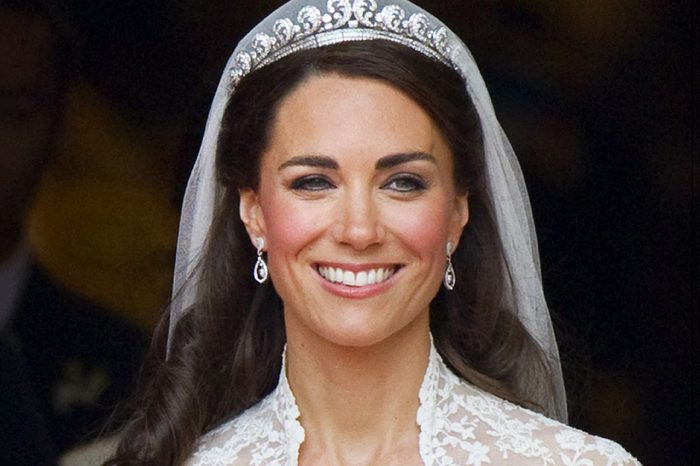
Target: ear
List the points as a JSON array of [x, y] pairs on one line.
[[251, 214], [460, 217]]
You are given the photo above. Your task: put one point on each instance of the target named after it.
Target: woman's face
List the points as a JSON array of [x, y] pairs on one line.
[[356, 204]]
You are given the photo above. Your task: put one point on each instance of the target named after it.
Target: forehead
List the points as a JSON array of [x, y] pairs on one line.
[[335, 115], [25, 50]]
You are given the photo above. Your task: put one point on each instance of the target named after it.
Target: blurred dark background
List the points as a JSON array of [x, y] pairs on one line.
[[596, 96]]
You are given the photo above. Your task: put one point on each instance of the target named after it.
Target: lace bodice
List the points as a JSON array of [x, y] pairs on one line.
[[459, 425]]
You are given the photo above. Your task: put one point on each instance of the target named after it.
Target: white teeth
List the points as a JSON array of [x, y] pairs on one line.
[[348, 278], [372, 277]]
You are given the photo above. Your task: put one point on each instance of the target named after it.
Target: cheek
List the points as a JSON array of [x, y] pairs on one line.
[[289, 225], [423, 228]]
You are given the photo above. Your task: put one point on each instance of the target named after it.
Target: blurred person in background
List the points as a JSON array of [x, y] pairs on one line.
[[64, 359]]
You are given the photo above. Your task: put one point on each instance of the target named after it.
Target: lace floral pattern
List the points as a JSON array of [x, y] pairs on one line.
[[459, 425]]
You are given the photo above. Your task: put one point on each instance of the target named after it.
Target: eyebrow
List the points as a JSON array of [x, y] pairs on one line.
[[393, 160], [320, 161], [388, 161]]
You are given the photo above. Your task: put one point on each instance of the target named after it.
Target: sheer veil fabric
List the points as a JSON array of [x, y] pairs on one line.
[[303, 24]]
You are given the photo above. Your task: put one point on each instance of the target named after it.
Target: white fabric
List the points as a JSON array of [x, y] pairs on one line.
[[458, 424], [13, 274], [315, 23], [90, 454]]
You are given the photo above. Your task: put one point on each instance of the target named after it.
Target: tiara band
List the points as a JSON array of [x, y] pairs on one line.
[[343, 21]]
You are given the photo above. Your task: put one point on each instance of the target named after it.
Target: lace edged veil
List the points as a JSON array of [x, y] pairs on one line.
[[303, 24]]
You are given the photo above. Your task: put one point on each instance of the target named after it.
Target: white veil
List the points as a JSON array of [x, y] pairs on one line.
[[304, 24]]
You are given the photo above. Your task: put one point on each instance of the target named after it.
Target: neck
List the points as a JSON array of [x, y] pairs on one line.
[[359, 400]]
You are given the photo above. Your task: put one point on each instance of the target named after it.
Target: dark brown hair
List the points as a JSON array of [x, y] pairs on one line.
[[226, 351]]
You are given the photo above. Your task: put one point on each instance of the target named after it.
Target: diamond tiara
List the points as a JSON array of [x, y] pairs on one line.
[[344, 20]]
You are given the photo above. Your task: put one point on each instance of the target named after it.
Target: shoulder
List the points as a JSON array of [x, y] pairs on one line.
[[252, 438], [572, 446], [496, 430]]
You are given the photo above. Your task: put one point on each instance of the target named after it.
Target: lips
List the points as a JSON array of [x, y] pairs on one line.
[[370, 276]]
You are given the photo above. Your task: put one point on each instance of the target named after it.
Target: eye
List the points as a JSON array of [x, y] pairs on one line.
[[312, 183], [405, 183]]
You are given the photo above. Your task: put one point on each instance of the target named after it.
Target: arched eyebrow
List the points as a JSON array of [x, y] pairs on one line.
[[319, 161], [393, 160], [388, 161]]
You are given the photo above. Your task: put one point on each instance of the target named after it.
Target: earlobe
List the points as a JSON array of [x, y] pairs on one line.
[[251, 214]]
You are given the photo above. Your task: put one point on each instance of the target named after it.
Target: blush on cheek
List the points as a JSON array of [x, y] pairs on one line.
[[288, 226], [424, 229]]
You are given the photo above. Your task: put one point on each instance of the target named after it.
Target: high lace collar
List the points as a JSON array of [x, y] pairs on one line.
[[289, 413], [458, 424]]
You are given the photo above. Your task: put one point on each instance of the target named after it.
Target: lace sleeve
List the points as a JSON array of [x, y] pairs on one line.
[[461, 424], [576, 448]]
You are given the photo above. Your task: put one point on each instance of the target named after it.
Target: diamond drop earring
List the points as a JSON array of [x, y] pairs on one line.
[[450, 279], [260, 268]]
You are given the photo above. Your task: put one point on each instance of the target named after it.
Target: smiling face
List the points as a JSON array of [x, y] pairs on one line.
[[356, 204]]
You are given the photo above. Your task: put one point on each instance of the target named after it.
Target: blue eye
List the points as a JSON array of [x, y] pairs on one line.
[[405, 183], [312, 183]]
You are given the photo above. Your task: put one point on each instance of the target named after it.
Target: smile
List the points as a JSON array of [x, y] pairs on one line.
[[362, 278]]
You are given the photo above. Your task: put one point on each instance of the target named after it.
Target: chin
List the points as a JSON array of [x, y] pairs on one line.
[[364, 333], [356, 339]]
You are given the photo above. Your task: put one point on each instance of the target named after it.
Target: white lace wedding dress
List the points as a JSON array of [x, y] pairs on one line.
[[459, 425]]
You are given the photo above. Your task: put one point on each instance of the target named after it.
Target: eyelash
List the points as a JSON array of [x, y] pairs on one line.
[[417, 183], [321, 183], [306, 183]]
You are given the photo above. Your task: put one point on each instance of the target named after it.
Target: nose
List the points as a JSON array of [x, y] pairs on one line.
[[358, 223]]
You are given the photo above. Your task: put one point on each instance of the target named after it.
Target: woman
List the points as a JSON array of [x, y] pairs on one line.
[[397, 315]]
